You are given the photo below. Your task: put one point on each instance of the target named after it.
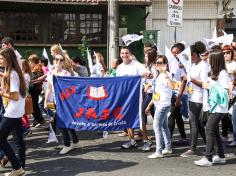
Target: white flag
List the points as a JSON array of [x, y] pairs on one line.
[[169, 55], [226, 39], [90, 62], [98, 71], [45, 55], [214, 34], [185, 59], [130, 38], [52, 136]]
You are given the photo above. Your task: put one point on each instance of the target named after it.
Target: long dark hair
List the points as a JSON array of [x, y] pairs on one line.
[[26, 67], [12, 64], [152, 55], [217, 63]]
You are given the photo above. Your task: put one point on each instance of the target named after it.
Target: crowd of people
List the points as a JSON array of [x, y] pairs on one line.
[[202, 93]]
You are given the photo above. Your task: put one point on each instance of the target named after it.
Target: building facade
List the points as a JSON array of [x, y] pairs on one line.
[[200, 17], [35, 24]]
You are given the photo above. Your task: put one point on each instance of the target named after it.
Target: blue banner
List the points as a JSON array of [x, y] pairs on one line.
[[106, 104]]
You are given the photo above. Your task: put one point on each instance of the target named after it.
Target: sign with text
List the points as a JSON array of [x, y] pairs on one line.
[[175, 13], [104, 104]]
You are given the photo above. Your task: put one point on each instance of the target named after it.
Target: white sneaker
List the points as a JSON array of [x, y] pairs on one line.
[[167, 151], [129, 144], [218, 160], [155, 156], [19, 172], [75, 145], [65, 150], [204, 162]]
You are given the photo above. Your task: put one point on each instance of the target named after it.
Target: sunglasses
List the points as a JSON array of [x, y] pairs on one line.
[[226, 53], [158, 63], [59, 59]]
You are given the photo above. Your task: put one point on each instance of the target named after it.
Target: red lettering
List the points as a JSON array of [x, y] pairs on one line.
[[73, 91], [64, 96], [68, 92], [91, 113], [105, 114], [79, 113], [117, 113]]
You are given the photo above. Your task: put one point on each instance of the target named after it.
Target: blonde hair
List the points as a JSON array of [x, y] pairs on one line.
[[67, 64]]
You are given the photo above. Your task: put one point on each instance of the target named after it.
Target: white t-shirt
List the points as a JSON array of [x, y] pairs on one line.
[[15, 109], [150, 81], [176, 73], [50, 80], [231, 67], [131, 69], [223, 80], [162, 93], [198, 72], [97, 70], [27, 79]]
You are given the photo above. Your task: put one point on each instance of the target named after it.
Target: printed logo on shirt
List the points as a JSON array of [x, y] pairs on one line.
[[156, 96]]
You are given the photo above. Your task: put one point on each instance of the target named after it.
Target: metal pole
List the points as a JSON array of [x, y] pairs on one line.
[[175, 35], [113, 43]]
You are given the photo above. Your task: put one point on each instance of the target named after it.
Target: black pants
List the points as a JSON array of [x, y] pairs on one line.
[[37, 113], [7, 126], [227, 125], [66, 137], [146, 100], [213, 136], [176, 116], [195, 124]]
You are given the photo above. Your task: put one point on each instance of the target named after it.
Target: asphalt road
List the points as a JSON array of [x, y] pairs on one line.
[[104, 156]]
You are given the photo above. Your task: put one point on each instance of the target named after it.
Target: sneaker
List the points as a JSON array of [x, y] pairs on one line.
[[218, 160], [28, 132], [34, 124], [39, 124], [75, 145], [4, 161], [155, 156], [204, 162], [147, 146], [232, 144], [19, 172], [65, 150], [188, 153], [167, 151], [129, 144]]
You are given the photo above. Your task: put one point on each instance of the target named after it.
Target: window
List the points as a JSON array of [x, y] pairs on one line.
[[22, 27], [71, 27], [63, 27], [91, 26]]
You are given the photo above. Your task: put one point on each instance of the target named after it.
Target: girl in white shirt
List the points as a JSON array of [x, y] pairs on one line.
[[14, 89], [218, 77], [162, 100], [198, 74], [59, 71]]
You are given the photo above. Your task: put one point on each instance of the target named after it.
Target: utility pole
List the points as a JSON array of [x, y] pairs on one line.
[[113, 26]]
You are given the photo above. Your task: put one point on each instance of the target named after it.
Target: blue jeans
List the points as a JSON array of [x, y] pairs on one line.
[[160, 127]]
